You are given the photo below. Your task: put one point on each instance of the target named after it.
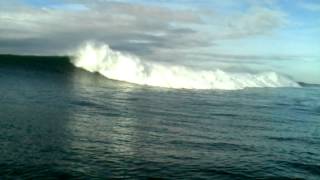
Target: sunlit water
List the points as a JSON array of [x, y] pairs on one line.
[[60, 122]]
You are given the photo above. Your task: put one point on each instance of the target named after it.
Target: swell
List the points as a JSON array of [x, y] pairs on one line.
[[60, 64], [115, 65], [124, 67]]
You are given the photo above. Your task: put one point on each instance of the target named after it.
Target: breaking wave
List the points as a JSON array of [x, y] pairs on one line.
[[124, 67]]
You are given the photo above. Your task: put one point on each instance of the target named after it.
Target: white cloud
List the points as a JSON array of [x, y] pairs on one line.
[[315, 7]]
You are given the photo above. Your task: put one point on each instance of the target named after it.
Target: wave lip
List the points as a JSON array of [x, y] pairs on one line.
[[115, 65]]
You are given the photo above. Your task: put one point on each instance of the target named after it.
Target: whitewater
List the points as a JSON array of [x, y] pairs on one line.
[[100, 58]]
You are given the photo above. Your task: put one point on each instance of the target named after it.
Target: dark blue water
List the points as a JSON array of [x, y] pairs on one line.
[[58, 122]]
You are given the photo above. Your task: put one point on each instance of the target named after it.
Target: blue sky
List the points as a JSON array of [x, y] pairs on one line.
[[253, 35]]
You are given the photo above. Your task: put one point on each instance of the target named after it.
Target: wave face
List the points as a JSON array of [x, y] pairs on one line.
[[115, 65]]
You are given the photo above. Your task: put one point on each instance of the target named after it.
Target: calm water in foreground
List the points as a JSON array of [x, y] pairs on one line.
[[60, 122]]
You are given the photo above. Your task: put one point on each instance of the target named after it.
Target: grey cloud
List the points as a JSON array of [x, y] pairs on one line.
[[122, 25], [256, 21], [152, 32]]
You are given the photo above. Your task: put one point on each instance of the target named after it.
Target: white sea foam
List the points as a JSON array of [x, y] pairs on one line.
[[115, 65]]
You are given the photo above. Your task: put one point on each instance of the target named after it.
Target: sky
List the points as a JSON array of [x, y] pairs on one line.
[[234, 35]]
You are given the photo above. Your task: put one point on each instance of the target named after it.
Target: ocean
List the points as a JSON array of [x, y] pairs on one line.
[[62, 122]]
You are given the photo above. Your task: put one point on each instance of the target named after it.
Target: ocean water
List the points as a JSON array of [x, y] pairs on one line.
[[61, 122]]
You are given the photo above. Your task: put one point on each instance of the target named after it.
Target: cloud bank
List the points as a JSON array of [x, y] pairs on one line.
[[195, 33], [142, 29]]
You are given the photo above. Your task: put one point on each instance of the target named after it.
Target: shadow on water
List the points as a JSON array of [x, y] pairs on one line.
[[34, 137], [62, 122]]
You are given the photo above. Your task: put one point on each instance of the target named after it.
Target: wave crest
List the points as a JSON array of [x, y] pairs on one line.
[[115, 65]]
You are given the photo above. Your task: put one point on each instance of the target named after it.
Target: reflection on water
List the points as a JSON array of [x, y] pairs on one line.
[[101, 118]]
